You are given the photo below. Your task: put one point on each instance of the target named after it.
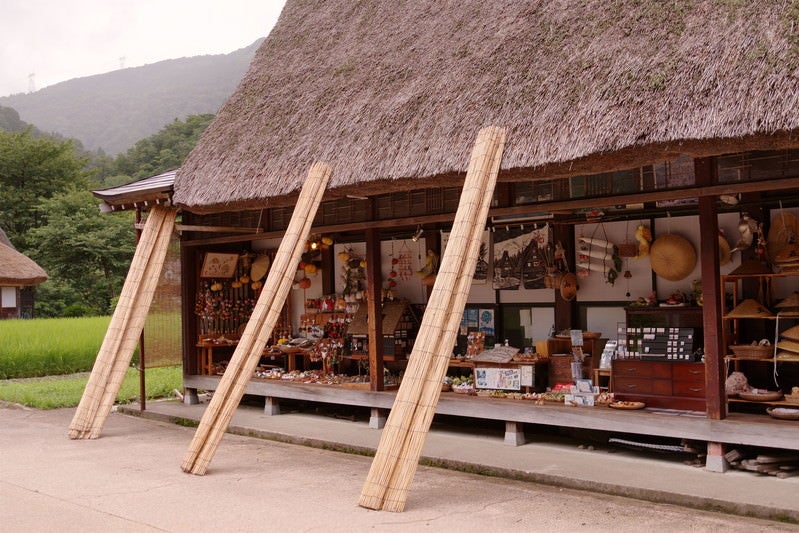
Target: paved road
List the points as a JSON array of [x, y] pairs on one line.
[[130, 480]]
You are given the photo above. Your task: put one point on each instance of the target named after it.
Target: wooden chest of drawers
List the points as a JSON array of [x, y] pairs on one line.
[[660, 384]]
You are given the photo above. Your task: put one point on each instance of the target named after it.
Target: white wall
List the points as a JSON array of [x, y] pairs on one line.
[[593, 288]]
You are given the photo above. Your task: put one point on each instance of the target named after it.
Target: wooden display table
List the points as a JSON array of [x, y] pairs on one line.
[[205, 354]]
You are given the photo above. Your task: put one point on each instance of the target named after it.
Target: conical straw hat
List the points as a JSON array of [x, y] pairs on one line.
[[791, 301], [791, 333], [259, 267], [749, 309], [791, 346], [784, 230], [672, 257]]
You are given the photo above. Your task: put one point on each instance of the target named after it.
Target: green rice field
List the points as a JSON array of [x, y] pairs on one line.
[[49, 346], [45, 363]]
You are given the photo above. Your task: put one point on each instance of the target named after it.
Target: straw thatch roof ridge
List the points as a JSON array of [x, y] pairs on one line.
[[395, 91], [17, 269]]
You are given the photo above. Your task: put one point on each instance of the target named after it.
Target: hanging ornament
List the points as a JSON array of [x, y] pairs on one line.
[[627, 275]]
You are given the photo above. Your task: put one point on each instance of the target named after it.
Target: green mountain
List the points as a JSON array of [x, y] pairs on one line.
[[112, 111]]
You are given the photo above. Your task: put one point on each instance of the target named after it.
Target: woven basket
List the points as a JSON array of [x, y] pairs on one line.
[[749, 350]]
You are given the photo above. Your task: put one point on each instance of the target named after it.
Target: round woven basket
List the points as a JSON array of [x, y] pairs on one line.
[[672, 257], [749, 350]]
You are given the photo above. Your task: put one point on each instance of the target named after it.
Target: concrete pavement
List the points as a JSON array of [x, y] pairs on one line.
[[130, 480], [657, 478]]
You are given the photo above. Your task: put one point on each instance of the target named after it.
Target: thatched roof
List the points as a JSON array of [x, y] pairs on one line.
[[394, 92], [17, 269]]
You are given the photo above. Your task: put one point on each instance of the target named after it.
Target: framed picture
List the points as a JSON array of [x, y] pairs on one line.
[[217, 265]]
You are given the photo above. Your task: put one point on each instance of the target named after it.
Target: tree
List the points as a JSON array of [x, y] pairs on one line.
[[163, 151], [85, 252], [31, 171]]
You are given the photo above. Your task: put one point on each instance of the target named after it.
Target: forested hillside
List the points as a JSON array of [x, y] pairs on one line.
[[49, 213], [112, 111]]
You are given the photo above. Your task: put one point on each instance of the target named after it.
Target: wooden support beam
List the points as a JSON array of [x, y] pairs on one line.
[[374, 303], [715, 375], [565, 311]]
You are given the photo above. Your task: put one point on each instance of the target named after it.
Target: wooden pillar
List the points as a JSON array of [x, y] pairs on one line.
[[188, 290], [715, 375], [142, 358], [374, 304], [565, 311]]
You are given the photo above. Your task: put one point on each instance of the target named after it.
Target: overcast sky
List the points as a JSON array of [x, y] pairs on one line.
[[57, 40]]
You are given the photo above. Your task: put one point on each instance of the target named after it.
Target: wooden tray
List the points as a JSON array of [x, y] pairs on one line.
[[770, 396], [629, 406]]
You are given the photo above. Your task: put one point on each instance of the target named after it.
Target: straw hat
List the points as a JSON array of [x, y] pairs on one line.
[[568, 286], [749, 309], [784, 230], [672, 257], [791, 301], [791, 346], [724, 251], [789, 253], [791, 333], [259, 267]]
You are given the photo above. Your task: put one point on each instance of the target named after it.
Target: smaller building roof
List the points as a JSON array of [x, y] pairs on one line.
[[144, 192], [17, 269]]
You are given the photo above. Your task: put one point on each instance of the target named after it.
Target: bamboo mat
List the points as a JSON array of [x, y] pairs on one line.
[[227, 396], [403, 437], [124, 330]]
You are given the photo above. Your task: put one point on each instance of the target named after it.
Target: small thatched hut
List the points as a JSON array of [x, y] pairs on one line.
[[17, 274]]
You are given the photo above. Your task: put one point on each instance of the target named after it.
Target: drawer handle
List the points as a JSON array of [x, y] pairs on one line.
[[632, 386], [695, 390], [695, 372]]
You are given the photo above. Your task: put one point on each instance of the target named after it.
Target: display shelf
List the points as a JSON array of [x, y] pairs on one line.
[[745, 329]]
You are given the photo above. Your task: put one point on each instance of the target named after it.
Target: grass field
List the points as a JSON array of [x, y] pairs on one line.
[[65, 391], [50, 346], [54, 349]]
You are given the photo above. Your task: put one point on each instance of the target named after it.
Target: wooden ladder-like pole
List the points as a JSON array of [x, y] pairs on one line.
[[227, 396], [403, 437], [127, 323]]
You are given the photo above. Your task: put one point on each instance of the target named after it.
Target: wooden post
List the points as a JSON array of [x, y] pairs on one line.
[[565, 311], [715, 375], [374, 303]]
